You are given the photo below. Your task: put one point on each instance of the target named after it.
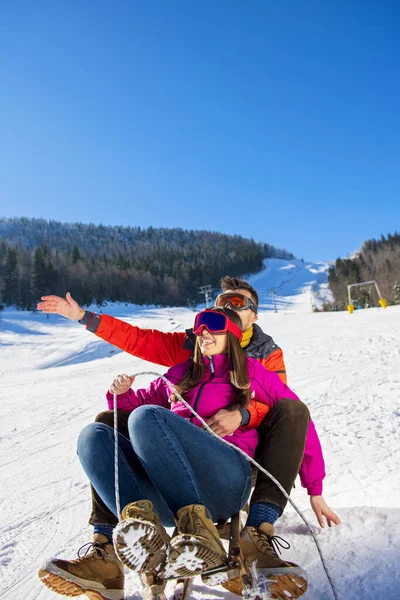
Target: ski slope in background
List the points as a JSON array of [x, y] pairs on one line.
[[294, 284], [54, 376]]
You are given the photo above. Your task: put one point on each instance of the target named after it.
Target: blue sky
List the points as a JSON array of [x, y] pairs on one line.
[[278, 121]]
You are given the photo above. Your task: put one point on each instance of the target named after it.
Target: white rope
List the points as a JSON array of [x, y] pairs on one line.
[[116, 469], [248, 458]]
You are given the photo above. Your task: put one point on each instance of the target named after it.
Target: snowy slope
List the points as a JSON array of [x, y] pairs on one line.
[[295, 284], [345, 367]]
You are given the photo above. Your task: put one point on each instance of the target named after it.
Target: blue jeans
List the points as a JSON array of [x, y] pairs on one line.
[[168, 461]]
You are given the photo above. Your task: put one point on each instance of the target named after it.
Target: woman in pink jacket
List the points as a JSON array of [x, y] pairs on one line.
[[171, 471]]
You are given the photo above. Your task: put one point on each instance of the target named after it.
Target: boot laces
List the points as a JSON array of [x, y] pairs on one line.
[[138, 512], [98, 549], [133, 513], [190, 521], [272, 544]]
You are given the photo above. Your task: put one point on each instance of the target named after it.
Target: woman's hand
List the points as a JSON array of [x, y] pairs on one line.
[[66, 307], [121, 384], [321, 510], [225, 422]]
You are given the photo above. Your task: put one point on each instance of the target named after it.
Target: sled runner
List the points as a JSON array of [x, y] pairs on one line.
[[232, 571], [235, 576]]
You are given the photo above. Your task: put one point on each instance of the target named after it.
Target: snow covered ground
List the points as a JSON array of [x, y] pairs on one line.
[[54, 376]]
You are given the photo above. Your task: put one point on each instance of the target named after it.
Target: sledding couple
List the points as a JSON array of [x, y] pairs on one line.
[[174, 473]]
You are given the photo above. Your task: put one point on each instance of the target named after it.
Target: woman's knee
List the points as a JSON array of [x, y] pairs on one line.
[[145, 424], [143, 416], [92, 437]]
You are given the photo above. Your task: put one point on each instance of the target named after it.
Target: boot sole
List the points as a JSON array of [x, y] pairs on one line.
[[65, 587], [137, 542], [278, 586], [188, 558]]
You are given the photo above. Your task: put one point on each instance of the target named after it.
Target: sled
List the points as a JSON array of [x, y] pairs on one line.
[[235, 575], [234, 571]]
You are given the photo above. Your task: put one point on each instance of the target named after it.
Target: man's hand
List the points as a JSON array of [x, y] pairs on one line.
[[225, 421], [121, 384], [321, 510], [66, 307]]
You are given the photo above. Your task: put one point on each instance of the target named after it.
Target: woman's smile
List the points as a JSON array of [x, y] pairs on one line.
[[210, 345]]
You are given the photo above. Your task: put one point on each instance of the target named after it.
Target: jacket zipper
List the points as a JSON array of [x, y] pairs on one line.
[[196, 402]]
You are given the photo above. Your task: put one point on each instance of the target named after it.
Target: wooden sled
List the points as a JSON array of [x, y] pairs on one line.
[[232, 574]]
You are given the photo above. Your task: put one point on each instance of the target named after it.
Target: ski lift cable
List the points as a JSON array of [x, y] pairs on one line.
[[248, 458]]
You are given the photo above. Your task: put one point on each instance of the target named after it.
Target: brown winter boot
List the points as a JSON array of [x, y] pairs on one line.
[[140, 540], [283, 579], [98, 574], [197, 547]]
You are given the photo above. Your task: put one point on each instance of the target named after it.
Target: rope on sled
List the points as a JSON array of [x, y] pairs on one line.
[[116, 469], [248, 458]]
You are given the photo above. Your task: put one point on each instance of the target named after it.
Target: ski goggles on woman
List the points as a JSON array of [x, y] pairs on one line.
[[235, 302], [215, 323]]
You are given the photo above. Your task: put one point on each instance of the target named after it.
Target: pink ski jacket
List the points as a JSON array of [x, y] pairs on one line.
[[215, 392]]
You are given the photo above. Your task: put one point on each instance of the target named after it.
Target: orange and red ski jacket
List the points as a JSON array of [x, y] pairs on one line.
[[170, 348]]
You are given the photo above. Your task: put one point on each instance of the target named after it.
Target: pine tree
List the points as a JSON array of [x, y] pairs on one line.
[[10, 277], [396, 289], [44, 275], [38, 274], [75, 255]]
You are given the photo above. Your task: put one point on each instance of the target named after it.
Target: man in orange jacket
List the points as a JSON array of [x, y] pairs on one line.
[[169, 349], [282, 430]]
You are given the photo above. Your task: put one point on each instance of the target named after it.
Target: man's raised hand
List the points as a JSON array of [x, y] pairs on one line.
[[66, 307]]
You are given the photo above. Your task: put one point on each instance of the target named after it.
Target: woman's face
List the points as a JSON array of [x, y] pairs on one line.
[[211, 344]]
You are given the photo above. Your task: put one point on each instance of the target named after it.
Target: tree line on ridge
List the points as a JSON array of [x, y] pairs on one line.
[[127, 264]]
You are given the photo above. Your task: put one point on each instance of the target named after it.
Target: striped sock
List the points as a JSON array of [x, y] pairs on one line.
[[104, 529], [263, 512]]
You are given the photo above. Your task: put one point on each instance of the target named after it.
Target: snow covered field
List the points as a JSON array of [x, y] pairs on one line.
[[54, 376]]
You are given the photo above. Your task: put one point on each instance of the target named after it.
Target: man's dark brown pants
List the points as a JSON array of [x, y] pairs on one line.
[[282, 438]]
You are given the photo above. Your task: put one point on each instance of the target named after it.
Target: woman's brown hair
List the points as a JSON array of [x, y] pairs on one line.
[[238, 373]]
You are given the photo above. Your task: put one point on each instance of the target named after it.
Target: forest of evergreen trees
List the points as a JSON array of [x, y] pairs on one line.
[[97, 263], [377, 260]]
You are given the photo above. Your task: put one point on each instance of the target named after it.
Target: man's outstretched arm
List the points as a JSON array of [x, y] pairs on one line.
[[155, 346]]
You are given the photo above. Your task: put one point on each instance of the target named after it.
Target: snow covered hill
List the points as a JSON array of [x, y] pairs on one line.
[[54, 376], [295, 285]]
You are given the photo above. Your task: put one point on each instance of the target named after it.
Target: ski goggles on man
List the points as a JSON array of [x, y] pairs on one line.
[[216, 323], [235, 302]]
